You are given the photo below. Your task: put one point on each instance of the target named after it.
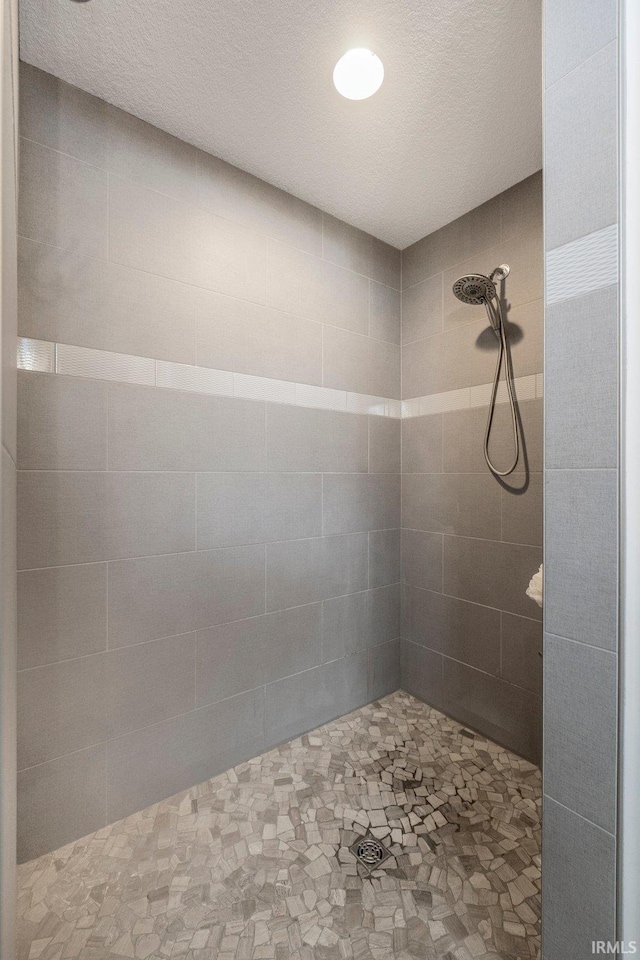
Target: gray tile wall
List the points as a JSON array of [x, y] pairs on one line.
[[8, 616], [200, 577], [581, 467], [470, 544]]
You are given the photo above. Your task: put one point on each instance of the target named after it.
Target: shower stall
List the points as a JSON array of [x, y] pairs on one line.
[[281, 463], [226, 540]]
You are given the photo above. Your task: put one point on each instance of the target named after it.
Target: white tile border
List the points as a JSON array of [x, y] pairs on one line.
[[583, 265], [103, 365], [75, 361], [183, 376], [526, 388], [36, 355], [47, 357]]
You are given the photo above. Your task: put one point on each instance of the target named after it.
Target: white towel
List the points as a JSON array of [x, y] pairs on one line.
[[534, 590]]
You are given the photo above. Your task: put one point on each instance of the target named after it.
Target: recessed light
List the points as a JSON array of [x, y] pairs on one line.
[[358, 74]]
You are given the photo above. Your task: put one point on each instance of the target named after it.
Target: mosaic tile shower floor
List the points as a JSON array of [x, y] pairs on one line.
[[256, 862]]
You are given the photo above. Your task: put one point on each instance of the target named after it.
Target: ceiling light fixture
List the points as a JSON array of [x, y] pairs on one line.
[[358, 74]]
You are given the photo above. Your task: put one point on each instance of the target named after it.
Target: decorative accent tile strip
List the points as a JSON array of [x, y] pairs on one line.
[[36, 355], [102, 365], [526, 388], [75, 361], [181, 376], [46, 357], [583, 265]]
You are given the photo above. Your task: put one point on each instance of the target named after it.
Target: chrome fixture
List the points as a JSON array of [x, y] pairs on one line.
[[477, 289], [370, 852]]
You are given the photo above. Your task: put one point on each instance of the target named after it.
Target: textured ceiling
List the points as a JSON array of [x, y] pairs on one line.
[[456, 121]]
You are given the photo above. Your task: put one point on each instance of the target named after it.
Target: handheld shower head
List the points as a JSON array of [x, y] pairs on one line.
[[478, 290], [475, 289]]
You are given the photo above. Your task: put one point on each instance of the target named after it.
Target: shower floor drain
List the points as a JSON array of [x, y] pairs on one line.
[[370, 852]]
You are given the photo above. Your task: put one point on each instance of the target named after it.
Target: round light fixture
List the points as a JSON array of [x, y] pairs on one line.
[[358, 74]]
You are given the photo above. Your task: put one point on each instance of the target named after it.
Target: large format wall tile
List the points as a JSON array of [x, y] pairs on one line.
[[306, 700], [580, 166], [359, 251], [104, 696], [304, 571], [360, 620], [463, 438], [521, 652], [495, 574], [582, 204], [384, 312], [361, 364], [452, 243], [82, 517], [238, 196], [349, 679], [460, 630], [421, 673], [471, 541], [581, 594], [524, 255], [67, 119], [582, 373], [522, 511], [579, 29], [578, 896], [152, 232], [422, 309], [239, 656], [250, 338], [521, 207], [465, 355], [299, 702], [63, 201], [61, 116], [385, 443], [353, 503], [60, 801], [422, 444], [62, 613], [384, 557], [147, 765], [384, 669], [62, 423], [152, 428], [308, 287], [505, 713], [72, 298], [581, 728], [464, 504], [157, 596], [299, 439], [236, 508], [422, 559]]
